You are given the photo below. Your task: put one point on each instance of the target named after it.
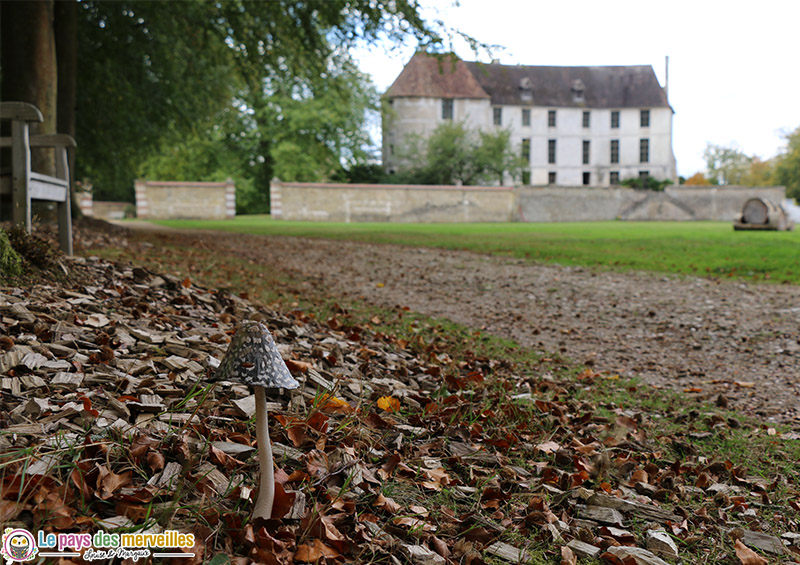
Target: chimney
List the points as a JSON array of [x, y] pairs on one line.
[[666, 77]]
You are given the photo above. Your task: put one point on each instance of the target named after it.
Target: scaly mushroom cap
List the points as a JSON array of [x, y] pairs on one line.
[[253, 359]]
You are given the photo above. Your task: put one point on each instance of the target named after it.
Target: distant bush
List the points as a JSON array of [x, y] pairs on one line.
[[648, 183]]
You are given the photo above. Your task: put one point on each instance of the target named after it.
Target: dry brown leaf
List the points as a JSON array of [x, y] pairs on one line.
[[438, 478], [747, 556], [109, 482], [548, 447], [9, 510], [414, 523], [298, 367], [439, 546], [568, 556], [156, 460], [283, 502], [313, 552], [387, 504]]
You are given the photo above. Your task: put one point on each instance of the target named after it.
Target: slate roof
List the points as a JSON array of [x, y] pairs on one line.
[[603, 87]]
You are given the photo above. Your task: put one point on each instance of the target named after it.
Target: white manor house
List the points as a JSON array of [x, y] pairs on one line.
[[575, 125]]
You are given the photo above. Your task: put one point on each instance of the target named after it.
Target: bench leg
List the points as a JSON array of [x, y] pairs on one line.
[[20, 176], [64, 208]]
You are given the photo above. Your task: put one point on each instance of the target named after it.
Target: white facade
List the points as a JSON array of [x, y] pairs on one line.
[[637, 149], [423, 115], [420, 116]]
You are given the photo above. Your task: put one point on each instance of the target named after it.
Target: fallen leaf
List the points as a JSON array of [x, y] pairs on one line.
[[156, 460], [747, 556], [298, 367], [567, 556], [109, 482], [313, 552], [283, 502], [387, 504], [548, 447], [331, 405], [388, 403], [9, 510]]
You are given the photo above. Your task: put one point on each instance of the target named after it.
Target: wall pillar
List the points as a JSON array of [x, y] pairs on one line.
[[275, 199], [85, 199], [230, 199], [142, 206]]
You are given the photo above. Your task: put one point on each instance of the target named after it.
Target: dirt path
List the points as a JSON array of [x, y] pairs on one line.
[[738, 340]]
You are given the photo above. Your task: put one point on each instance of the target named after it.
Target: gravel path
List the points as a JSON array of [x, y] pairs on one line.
[[737, 340]]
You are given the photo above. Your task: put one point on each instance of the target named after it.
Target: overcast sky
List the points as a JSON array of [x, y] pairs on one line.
[[734, 74]]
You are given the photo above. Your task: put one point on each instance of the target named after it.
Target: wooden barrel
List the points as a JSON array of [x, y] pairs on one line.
[[756, 211], [760, 213]]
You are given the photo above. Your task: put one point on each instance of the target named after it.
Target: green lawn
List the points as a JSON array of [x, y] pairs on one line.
[[694, 248]]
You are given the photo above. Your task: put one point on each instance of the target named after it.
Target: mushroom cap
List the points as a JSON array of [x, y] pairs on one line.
[[253, 359]]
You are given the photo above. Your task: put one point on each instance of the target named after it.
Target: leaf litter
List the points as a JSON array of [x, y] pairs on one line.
[[392, 450]]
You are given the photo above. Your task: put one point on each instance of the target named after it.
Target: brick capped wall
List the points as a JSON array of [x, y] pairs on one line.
[[162, 200]]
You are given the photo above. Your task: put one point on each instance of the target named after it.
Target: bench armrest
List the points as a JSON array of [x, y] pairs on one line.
[[45, 140], [20, 111], [52, 140]]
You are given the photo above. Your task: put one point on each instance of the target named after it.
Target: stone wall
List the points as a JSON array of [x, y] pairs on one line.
[[160, 200], [102, 209], [107, 210], [676, 203], [390, 202], [722, 203], [415, 203]]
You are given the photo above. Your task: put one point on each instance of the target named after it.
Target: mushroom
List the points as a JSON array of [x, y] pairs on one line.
[[253, 359]]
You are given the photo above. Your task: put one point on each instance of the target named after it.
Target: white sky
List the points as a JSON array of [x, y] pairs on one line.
[[734, 66]]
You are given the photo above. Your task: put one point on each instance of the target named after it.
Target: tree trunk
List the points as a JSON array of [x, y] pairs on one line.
[[29, 65], [66, 38]]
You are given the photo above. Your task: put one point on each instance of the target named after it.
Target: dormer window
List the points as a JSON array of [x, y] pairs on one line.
[[526, 90], [578, 90]]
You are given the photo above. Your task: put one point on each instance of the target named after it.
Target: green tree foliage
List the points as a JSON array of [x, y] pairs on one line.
[[725, 165], [147, 70], [320, 127], [787, 168], [154, 75], [731, 166], [455, 154], [760, 173]]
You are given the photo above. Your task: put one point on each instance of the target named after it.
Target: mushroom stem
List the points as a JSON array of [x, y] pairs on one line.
[[266, 489]]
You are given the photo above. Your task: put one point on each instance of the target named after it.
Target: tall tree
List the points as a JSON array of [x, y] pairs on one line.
[[148, 71], [456, 154], [725, 165], [787, 170], [151, 74], [28, 60]]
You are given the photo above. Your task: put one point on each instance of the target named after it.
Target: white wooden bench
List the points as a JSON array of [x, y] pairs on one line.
[[25, 185]]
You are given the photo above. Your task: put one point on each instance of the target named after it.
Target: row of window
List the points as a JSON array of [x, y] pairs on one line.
[[497, 116], [644, 150], [613, 177]]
